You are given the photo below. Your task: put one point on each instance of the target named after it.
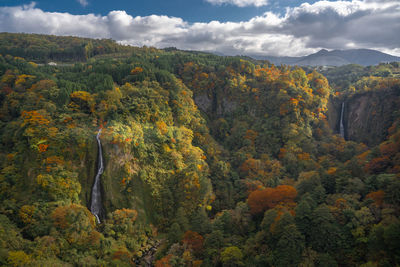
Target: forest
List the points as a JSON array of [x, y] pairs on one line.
[[208, 160]]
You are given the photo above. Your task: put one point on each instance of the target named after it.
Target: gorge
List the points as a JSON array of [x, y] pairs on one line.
[[201, 160]]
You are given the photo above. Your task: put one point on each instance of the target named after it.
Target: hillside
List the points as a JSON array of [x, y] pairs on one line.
[[208, 160], [364, 57]]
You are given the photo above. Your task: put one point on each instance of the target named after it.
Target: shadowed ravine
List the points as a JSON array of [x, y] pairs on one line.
[[95, 206]]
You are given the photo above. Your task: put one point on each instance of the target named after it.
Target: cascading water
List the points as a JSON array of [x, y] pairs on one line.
[[95, 206], [341, 129]]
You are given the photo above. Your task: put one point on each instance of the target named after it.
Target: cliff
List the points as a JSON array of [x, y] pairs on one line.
[[367, 115]]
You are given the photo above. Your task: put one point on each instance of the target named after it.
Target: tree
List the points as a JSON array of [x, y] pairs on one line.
[[323, 224], [232, 256], [290, 246], [261, 200], [304, 218]]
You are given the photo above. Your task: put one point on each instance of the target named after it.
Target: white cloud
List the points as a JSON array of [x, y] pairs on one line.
[[301, 30], [239, 3], [83, 2]]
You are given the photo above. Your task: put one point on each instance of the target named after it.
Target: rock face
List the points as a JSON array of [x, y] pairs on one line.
[[367, 116], [215, 105], [117, 160], [333, 114], [113, 195]]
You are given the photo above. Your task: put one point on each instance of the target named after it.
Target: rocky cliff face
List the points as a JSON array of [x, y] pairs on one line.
[[118, 163], [215, 105], [114, 196], [367, 116]]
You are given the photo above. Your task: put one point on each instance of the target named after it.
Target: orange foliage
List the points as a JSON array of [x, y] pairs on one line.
[[331, 170], [124, 215], [33, 117], [252, 168], [193, 240], [282, 153], [364, 155], [197, 263], [43, 148], [164, 262], [60, 215], [122, 255], [294, 101], [389, 149], [54, 160], [303, 156], [270, 74], [268, 198], [136, 70], [251, 135], [10, 156], [377, 197], [341, 203], [377, 165]]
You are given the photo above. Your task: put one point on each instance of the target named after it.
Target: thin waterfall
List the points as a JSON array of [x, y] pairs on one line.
[[95, 206], [341, 122]]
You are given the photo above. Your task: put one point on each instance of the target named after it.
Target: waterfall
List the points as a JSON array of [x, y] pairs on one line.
[[341, 122], [95, 206]]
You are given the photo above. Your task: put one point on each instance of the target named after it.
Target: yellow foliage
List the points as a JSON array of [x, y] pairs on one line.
[[26, 213], [41, 180], [18, 258], [162, 126], [33, 64], [21, 79], [52, 131], [166, 148], [83, 95], [34, 117]]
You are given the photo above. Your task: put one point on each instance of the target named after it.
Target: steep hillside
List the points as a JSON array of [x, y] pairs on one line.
[[208, 160]]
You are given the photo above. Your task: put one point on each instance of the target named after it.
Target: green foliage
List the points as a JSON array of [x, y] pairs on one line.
[[227, 160], [232, 256]]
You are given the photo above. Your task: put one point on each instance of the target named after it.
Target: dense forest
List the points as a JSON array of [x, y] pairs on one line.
[[209, 160]]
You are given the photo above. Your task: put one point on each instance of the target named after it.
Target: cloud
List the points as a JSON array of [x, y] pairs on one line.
[[301, 30], [239, 3], [84, 3]]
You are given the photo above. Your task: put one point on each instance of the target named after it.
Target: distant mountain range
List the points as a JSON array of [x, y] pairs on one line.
[[365, 57]]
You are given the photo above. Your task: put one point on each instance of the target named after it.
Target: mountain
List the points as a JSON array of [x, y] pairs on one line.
[[365, 57], [124, 156]]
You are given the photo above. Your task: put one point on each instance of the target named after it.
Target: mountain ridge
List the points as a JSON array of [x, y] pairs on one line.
[[364, 57]]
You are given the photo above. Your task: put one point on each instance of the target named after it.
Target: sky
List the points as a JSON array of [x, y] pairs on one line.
[[229, 27]]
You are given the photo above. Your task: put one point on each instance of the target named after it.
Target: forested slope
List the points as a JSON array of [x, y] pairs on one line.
[[226, 161]]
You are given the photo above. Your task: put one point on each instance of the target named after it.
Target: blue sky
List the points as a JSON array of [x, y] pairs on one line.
[[230, 27], [189, 10]]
